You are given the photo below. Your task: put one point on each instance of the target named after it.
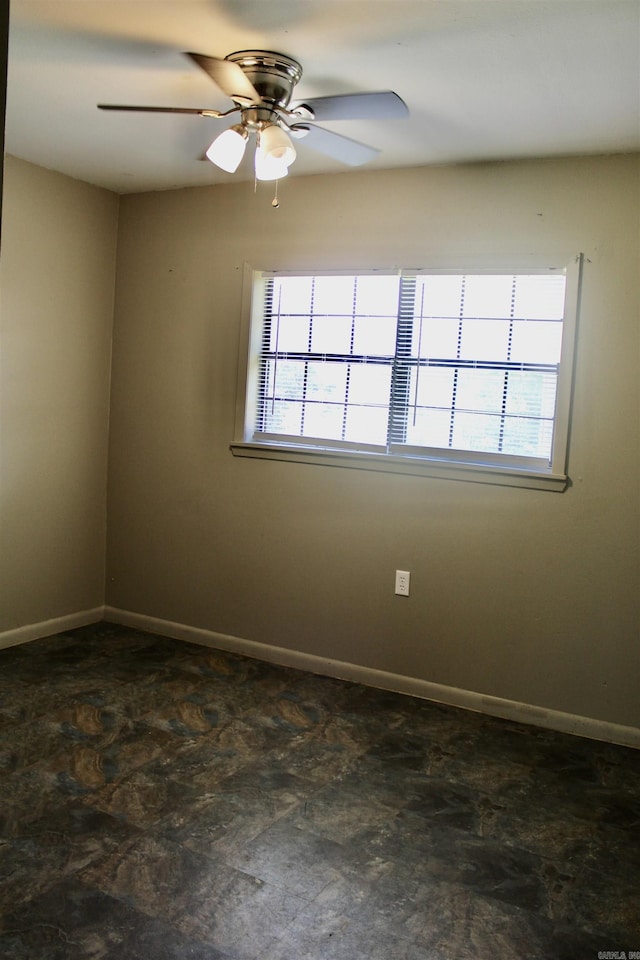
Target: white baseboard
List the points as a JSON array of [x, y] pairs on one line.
[[47, 628], [453, 696]]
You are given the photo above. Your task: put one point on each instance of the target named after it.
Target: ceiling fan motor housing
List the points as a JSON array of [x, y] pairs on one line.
[[273, 75]]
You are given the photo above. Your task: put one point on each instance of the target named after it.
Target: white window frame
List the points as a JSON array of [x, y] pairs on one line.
[[419, 461]]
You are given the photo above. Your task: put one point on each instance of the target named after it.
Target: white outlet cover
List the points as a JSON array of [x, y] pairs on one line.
[[403, 580]]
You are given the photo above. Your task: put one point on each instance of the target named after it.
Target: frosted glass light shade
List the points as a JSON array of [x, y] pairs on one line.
[[274, 154], [227, 150], [276, 144], [268, 168]]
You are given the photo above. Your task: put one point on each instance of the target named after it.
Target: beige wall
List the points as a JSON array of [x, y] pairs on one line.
[[531, 596], [56, 287]]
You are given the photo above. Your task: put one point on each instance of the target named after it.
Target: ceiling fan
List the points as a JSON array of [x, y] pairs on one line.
[[260, 84]]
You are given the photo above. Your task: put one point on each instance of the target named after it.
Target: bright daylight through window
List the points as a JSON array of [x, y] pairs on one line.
[[418, 371]]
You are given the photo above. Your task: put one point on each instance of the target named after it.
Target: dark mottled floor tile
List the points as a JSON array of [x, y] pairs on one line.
[[15, 703], [73, 922], [350, 731], [328, 694], [341, 812], [24, 797], [434, 920], [160, 799], [435, 851], [203, 898], [606, 899], [81, 768], [316, 759], [337, 941], [455, 922], [22, 747], [353, 919], [401, 748], [137, 698], [140, 799], [206, 761], [189, 717], [223, 821], [60, 843], [304, 862]]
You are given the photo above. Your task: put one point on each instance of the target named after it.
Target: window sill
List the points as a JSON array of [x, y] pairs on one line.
[[413, 466]]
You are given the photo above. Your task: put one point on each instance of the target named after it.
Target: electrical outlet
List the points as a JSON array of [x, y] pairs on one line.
[[403, 578]]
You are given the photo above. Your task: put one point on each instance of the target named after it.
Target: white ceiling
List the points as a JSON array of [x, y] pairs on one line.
[[483, 80]]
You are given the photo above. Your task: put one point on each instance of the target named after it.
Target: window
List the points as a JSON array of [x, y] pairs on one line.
[[438, 372]]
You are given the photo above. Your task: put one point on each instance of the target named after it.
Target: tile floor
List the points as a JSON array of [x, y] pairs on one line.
[[160, 800]]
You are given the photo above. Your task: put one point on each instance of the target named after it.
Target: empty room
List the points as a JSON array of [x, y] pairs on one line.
[[319, 502]]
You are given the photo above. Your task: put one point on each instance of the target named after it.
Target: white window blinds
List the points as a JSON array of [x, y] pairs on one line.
[[461, 367]]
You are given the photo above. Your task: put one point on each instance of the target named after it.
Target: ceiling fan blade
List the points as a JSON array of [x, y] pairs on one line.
[[228, 76], [334, 144], [201, 112], [383, 105]]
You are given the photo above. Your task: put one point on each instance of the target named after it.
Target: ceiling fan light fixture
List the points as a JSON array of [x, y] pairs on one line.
[[269, 168], [276, 144], [227, 150]]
